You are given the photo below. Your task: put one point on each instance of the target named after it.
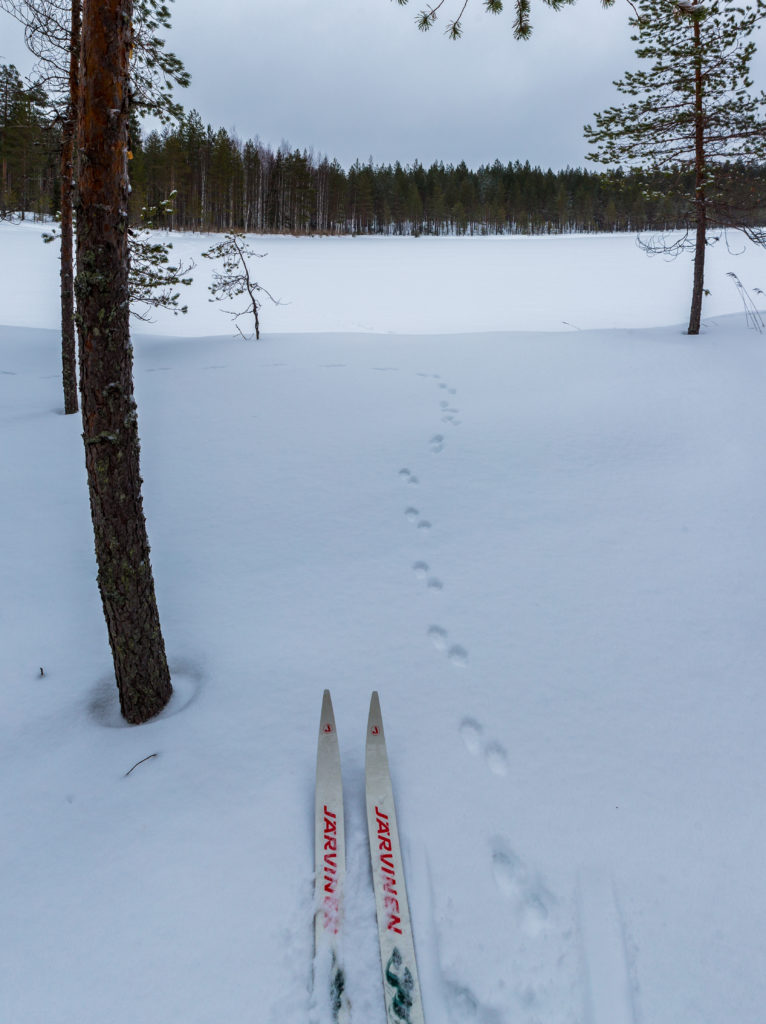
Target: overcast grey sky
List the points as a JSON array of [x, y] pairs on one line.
[[355, 78]]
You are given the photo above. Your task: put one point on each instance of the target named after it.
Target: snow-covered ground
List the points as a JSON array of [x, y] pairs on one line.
[[419, 285], [541, 542]]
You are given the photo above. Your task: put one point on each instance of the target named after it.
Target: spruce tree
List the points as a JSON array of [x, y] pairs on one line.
[[692, 121]]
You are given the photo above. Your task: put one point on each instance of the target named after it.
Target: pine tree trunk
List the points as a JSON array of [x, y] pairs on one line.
[[700, 204], [110, 428], [68, 344]]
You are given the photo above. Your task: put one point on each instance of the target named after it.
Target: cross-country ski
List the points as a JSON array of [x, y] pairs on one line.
[[397, 948], [330, 869]]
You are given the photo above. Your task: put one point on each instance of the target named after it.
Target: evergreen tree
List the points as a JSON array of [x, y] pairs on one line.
[[24, 148], [153, 278], [691, 119], [110, 429], [52, 35], [68, 170]]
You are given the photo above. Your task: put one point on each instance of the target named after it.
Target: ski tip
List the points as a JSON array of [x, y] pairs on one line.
[[375, 719], [327, 718]]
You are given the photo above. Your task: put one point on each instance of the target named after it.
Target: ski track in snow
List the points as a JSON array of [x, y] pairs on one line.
[[610, 999]]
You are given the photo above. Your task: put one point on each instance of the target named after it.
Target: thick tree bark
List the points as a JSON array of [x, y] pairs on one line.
[[68, 343], [700, 204], [110, 430]]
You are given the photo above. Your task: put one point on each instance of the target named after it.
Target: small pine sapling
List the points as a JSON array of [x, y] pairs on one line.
[[237, 278]]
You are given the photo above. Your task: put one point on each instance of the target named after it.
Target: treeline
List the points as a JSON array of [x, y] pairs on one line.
[[29, 179], [222, 184]]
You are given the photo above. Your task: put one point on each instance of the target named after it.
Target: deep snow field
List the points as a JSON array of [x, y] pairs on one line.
[[490, 478]]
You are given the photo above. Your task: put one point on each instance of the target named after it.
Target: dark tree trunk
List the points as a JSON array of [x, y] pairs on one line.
[[110, 429], [700, 204], [68, 351]]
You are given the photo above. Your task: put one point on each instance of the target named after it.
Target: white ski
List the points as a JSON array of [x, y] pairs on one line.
[[401, 986], [330, 868]]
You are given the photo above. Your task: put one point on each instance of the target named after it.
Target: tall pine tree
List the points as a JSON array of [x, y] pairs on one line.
[[691, 115], [110, 428]]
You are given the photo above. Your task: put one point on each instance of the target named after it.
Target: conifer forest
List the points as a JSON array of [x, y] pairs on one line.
[[222, 183]]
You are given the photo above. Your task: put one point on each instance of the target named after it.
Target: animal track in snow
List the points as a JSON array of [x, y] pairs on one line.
[[495, 754], [436, 444], [471, 733], [464, 1006], [409, 477], [458, 655], [528, 895], [413, 516], [497, 758], [506, 869], [438, 637], [421, 570]]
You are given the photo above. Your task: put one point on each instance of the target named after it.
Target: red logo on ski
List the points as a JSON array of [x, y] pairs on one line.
[[375, 730], [327, 728]]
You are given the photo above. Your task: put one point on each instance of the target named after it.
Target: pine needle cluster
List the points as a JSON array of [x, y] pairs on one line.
[[426, 18]]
